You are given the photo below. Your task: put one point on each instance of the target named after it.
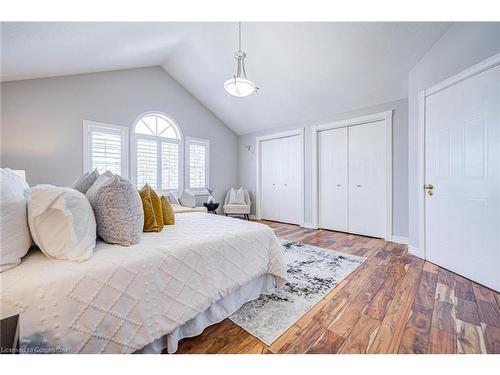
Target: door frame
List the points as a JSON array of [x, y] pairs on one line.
[[258, 198], [422, 97], [382, 116]]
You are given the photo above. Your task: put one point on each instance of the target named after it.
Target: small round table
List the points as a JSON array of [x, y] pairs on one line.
[[212, 207]]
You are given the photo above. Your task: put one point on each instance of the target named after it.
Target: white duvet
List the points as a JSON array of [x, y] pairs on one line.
[[124, 298]]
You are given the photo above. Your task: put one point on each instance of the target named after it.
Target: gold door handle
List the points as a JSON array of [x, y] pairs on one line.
[[429, 189]]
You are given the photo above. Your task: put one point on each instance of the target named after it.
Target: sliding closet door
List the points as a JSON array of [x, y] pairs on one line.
[[281, 160], [333, 179], [368, 179]]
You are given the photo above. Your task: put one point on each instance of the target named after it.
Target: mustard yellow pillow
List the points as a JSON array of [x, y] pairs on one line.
[[153, 215], [168, 212]]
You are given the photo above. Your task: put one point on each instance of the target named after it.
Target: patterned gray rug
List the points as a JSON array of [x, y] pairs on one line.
[[312, 272]]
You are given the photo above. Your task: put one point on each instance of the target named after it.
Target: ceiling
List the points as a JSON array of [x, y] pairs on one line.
[[305, 71]]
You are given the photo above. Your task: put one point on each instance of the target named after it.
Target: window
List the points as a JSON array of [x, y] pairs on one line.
[[156, 160], [105, 147], [197, 164]]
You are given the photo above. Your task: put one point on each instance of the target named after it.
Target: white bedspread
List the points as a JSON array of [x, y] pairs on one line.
[[124, 298]]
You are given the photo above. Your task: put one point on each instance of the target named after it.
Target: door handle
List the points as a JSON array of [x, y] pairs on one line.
[[338, 185], [358, 185], [429, 188]]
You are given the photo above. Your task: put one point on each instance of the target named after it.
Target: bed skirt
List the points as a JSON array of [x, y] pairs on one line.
[[264, 284]]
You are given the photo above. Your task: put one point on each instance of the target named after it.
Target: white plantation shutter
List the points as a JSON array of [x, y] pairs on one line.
[[147, 163], [105, 148], [169, 165], [156, 157], [197, 164], [106, 152]]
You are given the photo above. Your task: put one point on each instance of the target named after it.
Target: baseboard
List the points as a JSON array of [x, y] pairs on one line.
[[415, 251], [309, 226], [402, 240]]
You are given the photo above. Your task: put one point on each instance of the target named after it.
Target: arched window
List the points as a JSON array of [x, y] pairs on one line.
[[157, 152]]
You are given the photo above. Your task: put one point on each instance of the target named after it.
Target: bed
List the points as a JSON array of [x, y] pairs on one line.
[[146, 297]]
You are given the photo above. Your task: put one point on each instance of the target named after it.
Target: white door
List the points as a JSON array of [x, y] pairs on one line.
[[462, 153], [333, 179], [281, 179], [368, 179]]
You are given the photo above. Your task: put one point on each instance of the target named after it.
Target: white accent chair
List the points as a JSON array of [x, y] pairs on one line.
[[238, 209]]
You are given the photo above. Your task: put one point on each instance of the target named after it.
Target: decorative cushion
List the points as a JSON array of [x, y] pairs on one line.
[[236, 209], [152, 206], [84, 183], [237, 196], [62, 222], [187, 199], [168, 212], [173, 198], [15, 237], [118, 209]]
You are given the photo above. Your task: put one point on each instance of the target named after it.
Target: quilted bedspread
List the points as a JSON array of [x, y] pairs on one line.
[[124, 298]]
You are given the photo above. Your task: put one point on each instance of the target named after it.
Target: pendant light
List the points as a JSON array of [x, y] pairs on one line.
[[240, 86]]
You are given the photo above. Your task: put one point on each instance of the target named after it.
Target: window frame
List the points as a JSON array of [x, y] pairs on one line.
[[206, 143], [90, 126], [133, 151]]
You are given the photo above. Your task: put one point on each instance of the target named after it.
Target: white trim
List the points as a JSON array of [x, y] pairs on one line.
[[382, 116], [415, 251], [309, 226], [133, 150], [291, 133], [457, 78], [206, 143], [112, 129], [398, 239], [467, 73]]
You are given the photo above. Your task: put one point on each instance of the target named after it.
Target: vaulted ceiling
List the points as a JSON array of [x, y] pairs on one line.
[[305, 71]]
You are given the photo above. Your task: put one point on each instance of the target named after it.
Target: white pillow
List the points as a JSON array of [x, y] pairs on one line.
[[62, 222], [15, 238], [187, 199], [237, 196], [173, 198]]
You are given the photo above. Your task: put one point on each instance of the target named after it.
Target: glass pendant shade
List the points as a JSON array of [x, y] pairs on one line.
[[239, 87]]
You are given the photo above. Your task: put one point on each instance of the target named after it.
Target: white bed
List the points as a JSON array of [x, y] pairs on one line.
[[144, 297]]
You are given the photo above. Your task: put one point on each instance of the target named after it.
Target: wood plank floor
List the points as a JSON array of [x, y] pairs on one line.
[[393, 303]]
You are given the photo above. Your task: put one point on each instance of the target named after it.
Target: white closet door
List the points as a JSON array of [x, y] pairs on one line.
[[269, 180], [462, 152], [290, 201], [333, 179], [368, 179], [281, 179]]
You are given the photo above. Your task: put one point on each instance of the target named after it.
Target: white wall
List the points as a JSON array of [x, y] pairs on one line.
[[247, 159], [462, 46], [41, 121]]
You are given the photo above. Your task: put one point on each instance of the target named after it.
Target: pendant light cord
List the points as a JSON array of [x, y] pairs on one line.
[[239, 32]]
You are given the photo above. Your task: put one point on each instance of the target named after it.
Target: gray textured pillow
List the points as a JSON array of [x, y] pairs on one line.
[[118, 209], [84, 183]]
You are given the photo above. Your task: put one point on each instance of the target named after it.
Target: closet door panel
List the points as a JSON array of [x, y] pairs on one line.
[[367, 179], [269, 188], [280, 180], [291, 180], [333, 179]]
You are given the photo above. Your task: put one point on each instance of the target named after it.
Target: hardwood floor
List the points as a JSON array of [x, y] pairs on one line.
[[393, 303]]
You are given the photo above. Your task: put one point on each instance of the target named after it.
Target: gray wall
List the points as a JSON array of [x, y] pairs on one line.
[[462, 46], [41, 121], [247, 160]]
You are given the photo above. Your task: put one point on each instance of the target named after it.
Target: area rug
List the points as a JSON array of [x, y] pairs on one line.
[[312, 273]]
